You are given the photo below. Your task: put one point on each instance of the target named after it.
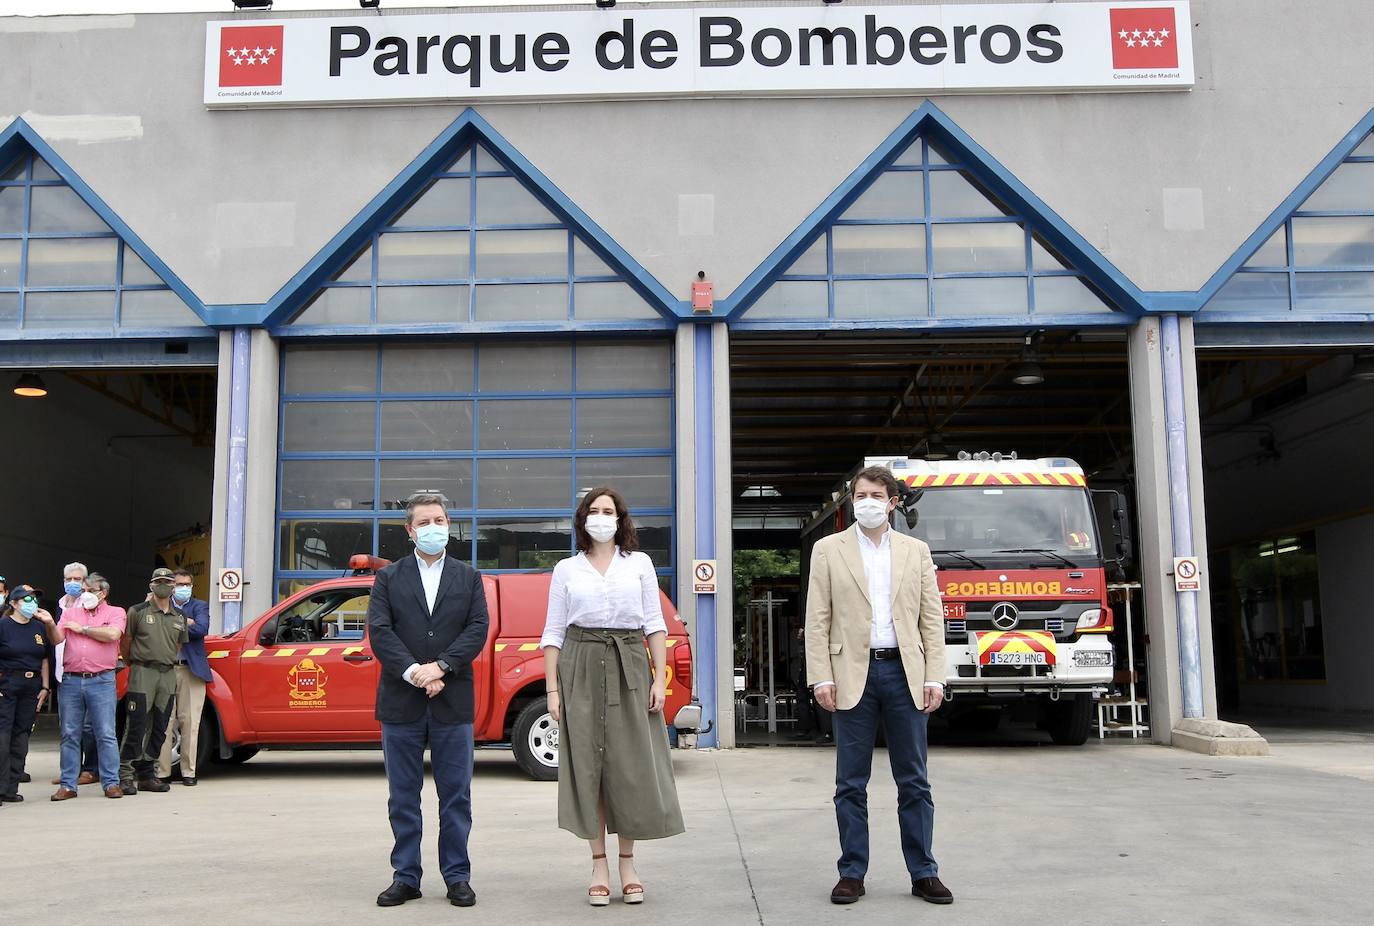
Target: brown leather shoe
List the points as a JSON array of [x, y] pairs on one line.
[[63, 794], [849, 890], [931, 890], [114, 791], [86, 778]]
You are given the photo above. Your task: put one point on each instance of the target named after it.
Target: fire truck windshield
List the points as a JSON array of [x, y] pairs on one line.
[[982, 522]]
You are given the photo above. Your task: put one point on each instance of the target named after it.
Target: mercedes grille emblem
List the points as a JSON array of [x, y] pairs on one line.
[[1004, 615]]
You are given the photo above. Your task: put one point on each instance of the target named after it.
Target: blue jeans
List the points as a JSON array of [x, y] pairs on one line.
[[886, 697], [450, 756], [83, 701]]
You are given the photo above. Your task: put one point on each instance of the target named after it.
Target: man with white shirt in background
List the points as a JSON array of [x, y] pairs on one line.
[[875, 655]]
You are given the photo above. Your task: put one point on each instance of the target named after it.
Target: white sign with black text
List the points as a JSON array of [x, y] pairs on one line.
[[812, 50]]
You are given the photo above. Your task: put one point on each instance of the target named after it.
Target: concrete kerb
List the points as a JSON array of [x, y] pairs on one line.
[[1218, 738]]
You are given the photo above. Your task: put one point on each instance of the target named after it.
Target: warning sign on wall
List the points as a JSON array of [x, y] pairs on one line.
[[1186, 578], [704, 576], [230, 585]]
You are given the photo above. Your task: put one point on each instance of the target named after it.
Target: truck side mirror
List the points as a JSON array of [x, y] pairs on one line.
[[1114, 525]]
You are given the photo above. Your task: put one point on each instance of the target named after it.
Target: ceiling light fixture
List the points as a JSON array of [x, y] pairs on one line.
[[1028, 372], [252, 4], [30, 386]]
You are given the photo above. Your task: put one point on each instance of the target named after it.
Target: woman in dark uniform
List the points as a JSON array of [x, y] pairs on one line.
[[614, 771], [24, 682]]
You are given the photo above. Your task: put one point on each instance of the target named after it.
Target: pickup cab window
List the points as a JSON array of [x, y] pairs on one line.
[[332, 614]]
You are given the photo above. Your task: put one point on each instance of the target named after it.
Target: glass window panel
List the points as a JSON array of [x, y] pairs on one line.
[[655, 534], [528, 483], [9, 309], [461, 164], [428, 425], [423, 256], [1273, 253], [872, 249], [330, 369], [1251, 292], [359, 269], [987, 247], [646, 482], [981, 296], [630, 423], [893, 195], [486, 161], [880, 299], [937, 155], [592, 301], [432, 368], [11, 210], [1346, 241], [313, 426], [525, 424], [586, 263], [69, 310], [1043, 257], [955, 194], [524, 254], [911, 157], [1365, 148], [523, 543], [322, 545], [812, 260], [155, 308], [393, 542], [505, 201], [793, 300], [526, 367], [42, 170], [446, 201], [606, 366], [11, 253], [1350, 188], [524, 302], [1066, 295], [14, 171], [338, 305], [59, 209], [72, 261], [403, 478], [136, 272], [418, 304], [329, 485], [1330, 292]]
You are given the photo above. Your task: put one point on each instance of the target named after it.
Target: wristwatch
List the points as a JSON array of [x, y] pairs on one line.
[[448, 669]]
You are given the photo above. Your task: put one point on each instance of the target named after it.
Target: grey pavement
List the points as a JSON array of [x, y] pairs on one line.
[[1107, 833]]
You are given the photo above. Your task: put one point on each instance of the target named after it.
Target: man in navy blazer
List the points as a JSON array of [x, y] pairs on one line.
[[193, 676], [427, 620]]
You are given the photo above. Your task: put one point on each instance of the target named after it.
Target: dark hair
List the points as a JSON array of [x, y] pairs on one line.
[[625, 536], [881, 475], [425, 498], [183, 572]]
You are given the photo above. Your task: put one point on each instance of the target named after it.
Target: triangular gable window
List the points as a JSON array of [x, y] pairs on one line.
[[924, 238], [1321, 259], [62, 269], [474, 245]]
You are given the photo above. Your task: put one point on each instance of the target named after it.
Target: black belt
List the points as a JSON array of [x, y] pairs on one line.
[[181, 662], [87, 674], [888, 653], [5, 673]]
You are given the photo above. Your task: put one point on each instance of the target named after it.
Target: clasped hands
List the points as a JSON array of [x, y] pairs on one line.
[[429, 677]]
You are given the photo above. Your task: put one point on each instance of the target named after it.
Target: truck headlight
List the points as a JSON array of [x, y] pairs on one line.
[[1095, 620]]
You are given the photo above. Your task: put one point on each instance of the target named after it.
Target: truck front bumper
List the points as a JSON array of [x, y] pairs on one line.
[[1084, 665]]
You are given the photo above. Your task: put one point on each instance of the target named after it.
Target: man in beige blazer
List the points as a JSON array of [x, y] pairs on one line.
[[875, 652]]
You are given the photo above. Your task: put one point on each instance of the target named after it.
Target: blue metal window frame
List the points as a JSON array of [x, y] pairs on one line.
[[470, 512], [20, 141]]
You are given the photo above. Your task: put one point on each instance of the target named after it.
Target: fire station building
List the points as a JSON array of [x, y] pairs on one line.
[[264, 275]]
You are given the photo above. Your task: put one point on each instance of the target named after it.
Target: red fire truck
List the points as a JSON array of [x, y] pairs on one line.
[[304, 674], [1023, 577]]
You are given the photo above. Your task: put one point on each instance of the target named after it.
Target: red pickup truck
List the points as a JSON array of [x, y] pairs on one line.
[[304, 673]]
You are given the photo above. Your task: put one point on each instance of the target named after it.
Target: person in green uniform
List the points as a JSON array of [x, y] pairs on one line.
[[152, 640]]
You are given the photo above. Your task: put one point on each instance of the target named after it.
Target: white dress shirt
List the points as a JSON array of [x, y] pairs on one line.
[[429, 579], [625, 598]]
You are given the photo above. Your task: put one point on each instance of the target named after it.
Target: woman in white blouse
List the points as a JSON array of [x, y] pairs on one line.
[[614, 771]]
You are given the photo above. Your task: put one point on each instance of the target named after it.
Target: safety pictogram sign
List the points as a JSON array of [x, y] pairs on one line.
[[704, 576], [230, 585], [1186, 574]]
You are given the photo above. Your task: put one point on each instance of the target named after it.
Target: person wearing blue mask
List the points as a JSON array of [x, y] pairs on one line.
[[73, 584], [193, 675], [427, 621], [25, 631]]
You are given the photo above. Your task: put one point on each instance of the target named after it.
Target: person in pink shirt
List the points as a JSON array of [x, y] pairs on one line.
[[91, 629]]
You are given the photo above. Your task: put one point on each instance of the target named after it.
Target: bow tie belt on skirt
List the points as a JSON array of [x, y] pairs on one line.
[[626, 647]]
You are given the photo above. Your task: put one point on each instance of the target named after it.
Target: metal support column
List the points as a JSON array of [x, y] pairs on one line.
[[704, 448], [236, 503]]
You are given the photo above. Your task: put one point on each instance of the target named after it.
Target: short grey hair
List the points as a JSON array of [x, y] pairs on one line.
[[75, 567], [425, 498], [99, 582]]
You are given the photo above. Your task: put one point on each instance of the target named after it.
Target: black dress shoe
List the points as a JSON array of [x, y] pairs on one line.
[[25, 778], [11, 798], [188, 780], [848, 890], [931, 890], [460, 894], [128, 787], [397, 894], [155, 785]]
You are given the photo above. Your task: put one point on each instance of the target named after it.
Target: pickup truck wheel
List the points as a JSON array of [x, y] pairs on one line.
[[1070, 719], [535, 741], [240, 755]]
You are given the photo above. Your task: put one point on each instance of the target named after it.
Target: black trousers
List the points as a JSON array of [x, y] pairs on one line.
[[18, 710]]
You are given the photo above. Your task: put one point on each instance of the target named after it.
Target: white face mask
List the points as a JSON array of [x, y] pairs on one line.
[[89, 600], [601, 527], [870, 512]]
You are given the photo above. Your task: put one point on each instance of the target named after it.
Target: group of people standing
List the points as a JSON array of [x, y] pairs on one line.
[[79, 652], [875, 655]]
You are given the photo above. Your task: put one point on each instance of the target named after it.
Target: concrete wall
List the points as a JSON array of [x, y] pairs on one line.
[[87, 480], [236, 202]]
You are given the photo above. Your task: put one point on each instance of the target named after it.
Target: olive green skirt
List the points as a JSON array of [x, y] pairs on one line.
[[610, 747]]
